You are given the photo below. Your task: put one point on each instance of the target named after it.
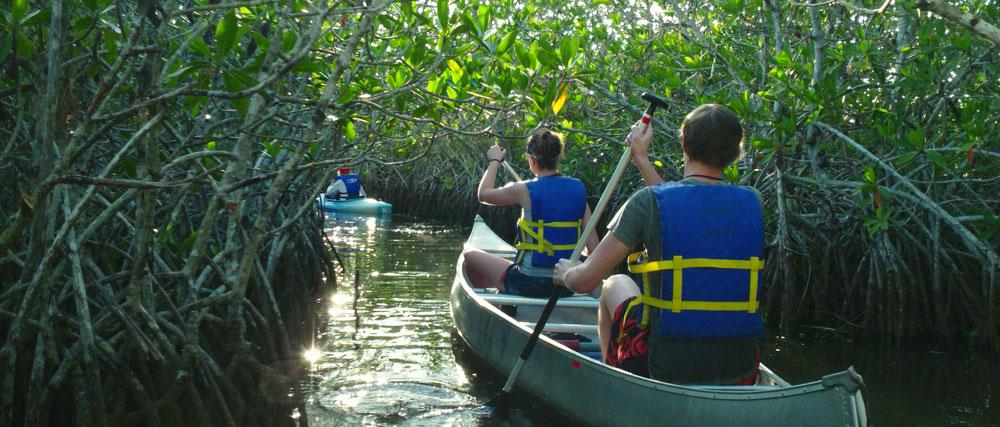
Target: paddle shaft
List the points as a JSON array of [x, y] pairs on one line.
[[510, 170], [587, 231]]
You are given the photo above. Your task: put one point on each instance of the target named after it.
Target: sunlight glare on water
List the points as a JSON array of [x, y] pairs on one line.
[[386, 350]]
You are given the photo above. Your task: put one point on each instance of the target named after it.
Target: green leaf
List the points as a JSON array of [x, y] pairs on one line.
[[506, 43], [309, 66], [915, 138], [200, 47], [442, 12], [18, 8], [483, 13], [225, 34], [272, 148], [869, 174], [455, 70], [470, 26], [937, 158], [547, 57], [407, 7], [907, 158], [568, 48], [454, 67], [524, 56], [732, 173], [236, 81], [416, 53], [288, 41], [185, 71], [783, 59], [349, 131], [732, 6]]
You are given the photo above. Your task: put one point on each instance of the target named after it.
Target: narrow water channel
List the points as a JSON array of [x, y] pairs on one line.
[[384, 352]]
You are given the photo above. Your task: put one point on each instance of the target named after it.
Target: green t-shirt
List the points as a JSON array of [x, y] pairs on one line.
[[637, 225]]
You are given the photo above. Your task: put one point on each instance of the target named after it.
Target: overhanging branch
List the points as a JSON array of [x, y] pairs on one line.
[[952, 13]]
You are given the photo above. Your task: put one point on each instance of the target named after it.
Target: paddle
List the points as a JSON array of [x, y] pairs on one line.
[[511, 171], [654, 102]]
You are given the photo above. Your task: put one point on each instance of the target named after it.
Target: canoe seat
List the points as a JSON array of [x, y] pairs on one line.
[[573, 328], [506, 299]]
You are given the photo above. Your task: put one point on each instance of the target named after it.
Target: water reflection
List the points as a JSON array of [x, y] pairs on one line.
[[386, 349], [387, 354]]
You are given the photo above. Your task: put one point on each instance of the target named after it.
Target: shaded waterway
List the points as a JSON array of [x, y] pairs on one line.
[[385, 354]]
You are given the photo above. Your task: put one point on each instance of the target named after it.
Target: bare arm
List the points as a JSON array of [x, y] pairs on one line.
[[512, 193], [640, 137], [583, 278]]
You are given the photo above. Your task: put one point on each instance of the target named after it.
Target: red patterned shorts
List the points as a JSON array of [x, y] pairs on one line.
[[627, 344]]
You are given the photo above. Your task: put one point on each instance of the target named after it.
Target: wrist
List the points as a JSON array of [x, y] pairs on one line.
[[568, 279], [496, 160]]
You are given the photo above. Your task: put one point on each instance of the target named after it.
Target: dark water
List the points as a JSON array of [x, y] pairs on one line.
[[385, 353]]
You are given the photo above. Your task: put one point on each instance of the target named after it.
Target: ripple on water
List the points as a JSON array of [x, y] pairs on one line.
[[396, 403]]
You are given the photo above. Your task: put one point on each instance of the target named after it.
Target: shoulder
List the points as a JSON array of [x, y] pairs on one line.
[[641, 198], [639, 205]]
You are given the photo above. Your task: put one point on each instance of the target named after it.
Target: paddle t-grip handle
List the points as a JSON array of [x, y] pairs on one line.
[[654, 103]]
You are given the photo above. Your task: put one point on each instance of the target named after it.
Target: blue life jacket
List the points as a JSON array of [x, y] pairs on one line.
[[557, 207], [353, 187], [713, 246]]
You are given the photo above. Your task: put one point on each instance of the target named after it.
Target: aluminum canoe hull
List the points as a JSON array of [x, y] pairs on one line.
[[588, 391]]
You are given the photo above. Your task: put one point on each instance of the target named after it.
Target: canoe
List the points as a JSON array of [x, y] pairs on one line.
[[369, 207], [567, 375]]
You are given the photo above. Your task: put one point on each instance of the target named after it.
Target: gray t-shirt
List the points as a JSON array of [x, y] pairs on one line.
[[637, 225]]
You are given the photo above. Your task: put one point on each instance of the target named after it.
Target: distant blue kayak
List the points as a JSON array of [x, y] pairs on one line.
[[370, 207]]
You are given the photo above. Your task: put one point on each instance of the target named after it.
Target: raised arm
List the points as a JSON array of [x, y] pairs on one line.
[[640, 137], [512, 193]]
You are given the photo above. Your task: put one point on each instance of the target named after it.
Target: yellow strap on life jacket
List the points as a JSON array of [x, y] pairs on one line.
[[677, 304], [540, 244]]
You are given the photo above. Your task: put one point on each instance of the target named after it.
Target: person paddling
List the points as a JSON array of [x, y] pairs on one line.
[[554, 210], [694, 317], [347, 186]]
